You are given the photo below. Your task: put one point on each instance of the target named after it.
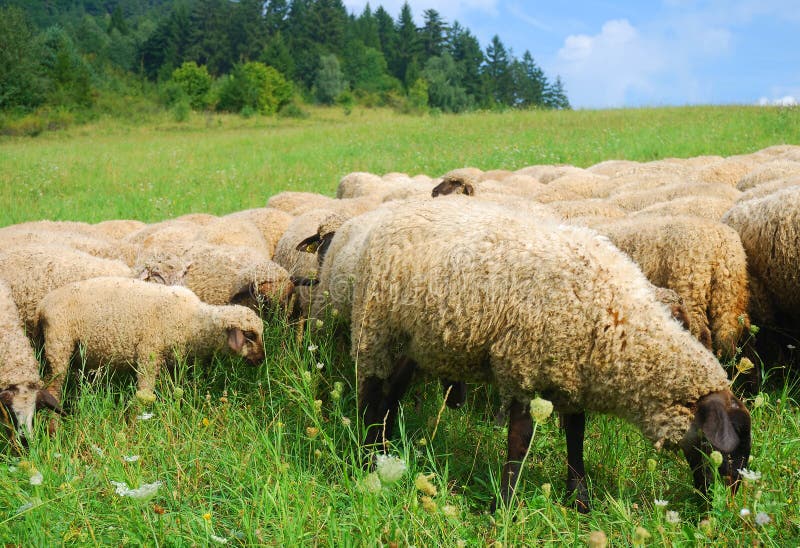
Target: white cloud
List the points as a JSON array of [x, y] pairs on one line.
[[624, 65], [785, 101], [448, 9]]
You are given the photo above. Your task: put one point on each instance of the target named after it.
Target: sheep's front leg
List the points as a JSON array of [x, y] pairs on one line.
[[380, 410], [574, 427], [58, 353], [520, 432]]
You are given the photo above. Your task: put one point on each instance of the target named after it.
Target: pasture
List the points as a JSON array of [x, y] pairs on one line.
[[269, 455]]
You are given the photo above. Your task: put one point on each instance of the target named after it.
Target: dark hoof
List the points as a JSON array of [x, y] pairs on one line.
[[578, 498]]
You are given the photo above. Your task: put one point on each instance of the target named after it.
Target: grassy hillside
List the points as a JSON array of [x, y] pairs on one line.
[[269, 455]]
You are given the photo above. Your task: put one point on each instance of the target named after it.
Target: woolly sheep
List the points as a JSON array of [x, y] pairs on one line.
[[21, 389], [271, 222], [611, 168], [767, 172], [535, 308], [728, 171], [466, 181], [707, 207], [117, 229], [219, 274], [594, 207], [701, 260], [296, 203], [32, 271], [765, 189], [123, 322], [547, 173], [769, 232], [359, 183], [636, 200], [636, 182], [40, 234], [576, 187]]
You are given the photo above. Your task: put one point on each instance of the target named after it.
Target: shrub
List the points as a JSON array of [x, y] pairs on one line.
[[255, 86], [195, 82]]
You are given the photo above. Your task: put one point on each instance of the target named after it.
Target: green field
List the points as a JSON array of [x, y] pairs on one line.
[[269, 455]]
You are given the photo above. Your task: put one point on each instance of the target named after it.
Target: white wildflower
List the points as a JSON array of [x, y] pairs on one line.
[[660, 503], [218, 540], [12, 469], [673, 516], [130, 458], [143, 492], [744, 512], [762, 519], [57, 455], [390, 468], [145, 416], [791, 346], [36, 478], [312, 348], [750, 475], [320, 323], [371, 483], [541, 409], [320, 366]]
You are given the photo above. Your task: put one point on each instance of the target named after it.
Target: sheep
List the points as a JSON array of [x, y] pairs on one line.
[[21, 389], [67, 236], [635, 200], [767, 172], [122, 322], [594, 207], [32, 271], [768, 228], [765, 189], [116, 229], [219, 274], [271, 222], [466, 181], [297, 203], [474, 292], [728, 171], [576, 187], [701, 260], [546, 173], [359, 183], [612, 168], [707, 207]]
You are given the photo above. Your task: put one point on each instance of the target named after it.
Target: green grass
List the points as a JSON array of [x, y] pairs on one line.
[[262, 455]]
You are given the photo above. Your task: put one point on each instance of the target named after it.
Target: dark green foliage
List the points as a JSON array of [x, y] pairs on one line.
[[21, 79], [67, 76], [276, 54], [444, 91], [497, 74]]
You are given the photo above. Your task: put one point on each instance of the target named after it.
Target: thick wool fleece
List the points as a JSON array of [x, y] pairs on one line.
[[706, 207], [125, 322], [18, 364], [701, 260], [770, 231], [272, 223], [32, 271], [477, 292]]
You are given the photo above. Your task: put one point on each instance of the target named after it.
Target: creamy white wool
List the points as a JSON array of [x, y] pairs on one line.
[[474, 291]]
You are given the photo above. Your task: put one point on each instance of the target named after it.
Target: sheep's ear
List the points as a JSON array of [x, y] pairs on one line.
[[245, 294], [310, 244], [45, 400], [7, 398], [714, 418], [236, 339], [469, 190]]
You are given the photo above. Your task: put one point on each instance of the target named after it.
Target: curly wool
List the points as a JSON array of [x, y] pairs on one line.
[[477, 292], [701, 260]]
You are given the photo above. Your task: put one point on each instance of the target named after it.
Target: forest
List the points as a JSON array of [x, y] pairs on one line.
[[254, 56]]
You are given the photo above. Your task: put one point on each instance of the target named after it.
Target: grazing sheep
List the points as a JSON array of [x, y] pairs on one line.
[[474, 292], [590, 207], [707, 207], [359, 183], [765, 189], [272, 223], [576, 187], [21, 390], [219, 274], [769, 232], [32, 271], [547, 173], [297, 203], [701, 260], [464, 181], [612, 168], [117, 229], [42, 234], [123, 322], [728, 171], [769, 171]]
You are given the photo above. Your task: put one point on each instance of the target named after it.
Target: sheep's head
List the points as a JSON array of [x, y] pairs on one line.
[[320, 242], [21, 401], [245, 334], [453, 186], [721, 423], [265, 286]]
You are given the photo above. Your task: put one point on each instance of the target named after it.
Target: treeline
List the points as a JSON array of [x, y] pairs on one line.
[[257, 55]]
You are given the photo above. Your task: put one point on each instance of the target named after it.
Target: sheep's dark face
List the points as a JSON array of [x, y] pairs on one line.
[[721, 423], [452, 186], [247, 343], [20, 403]]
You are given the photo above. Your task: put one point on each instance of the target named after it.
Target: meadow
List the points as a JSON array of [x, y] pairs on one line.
[[269, 455]]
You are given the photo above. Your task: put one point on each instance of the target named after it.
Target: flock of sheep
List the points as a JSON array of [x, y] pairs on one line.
[[614, 289]]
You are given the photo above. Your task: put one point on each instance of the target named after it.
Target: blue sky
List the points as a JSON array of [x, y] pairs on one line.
[[632, 53]]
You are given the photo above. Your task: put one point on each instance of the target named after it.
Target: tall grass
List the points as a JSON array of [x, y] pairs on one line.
[[270, 455]]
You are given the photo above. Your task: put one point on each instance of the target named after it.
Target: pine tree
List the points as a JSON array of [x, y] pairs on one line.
[[466, 52], [248, 30], [276, 54], [529, 82], [366, 27], [556, 96], [407, 47], [387, 34], [432, 34], [276, 14], [210, 41]]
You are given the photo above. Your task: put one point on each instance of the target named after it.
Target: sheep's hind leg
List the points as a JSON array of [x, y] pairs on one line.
[[146, 374], [380, 410], [574, 427], [520, 432]]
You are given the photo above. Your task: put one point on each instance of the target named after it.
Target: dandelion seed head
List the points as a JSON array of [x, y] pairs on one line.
[[143, 492], [762, 518], [390, 468], [744, 512], [541, 409]]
